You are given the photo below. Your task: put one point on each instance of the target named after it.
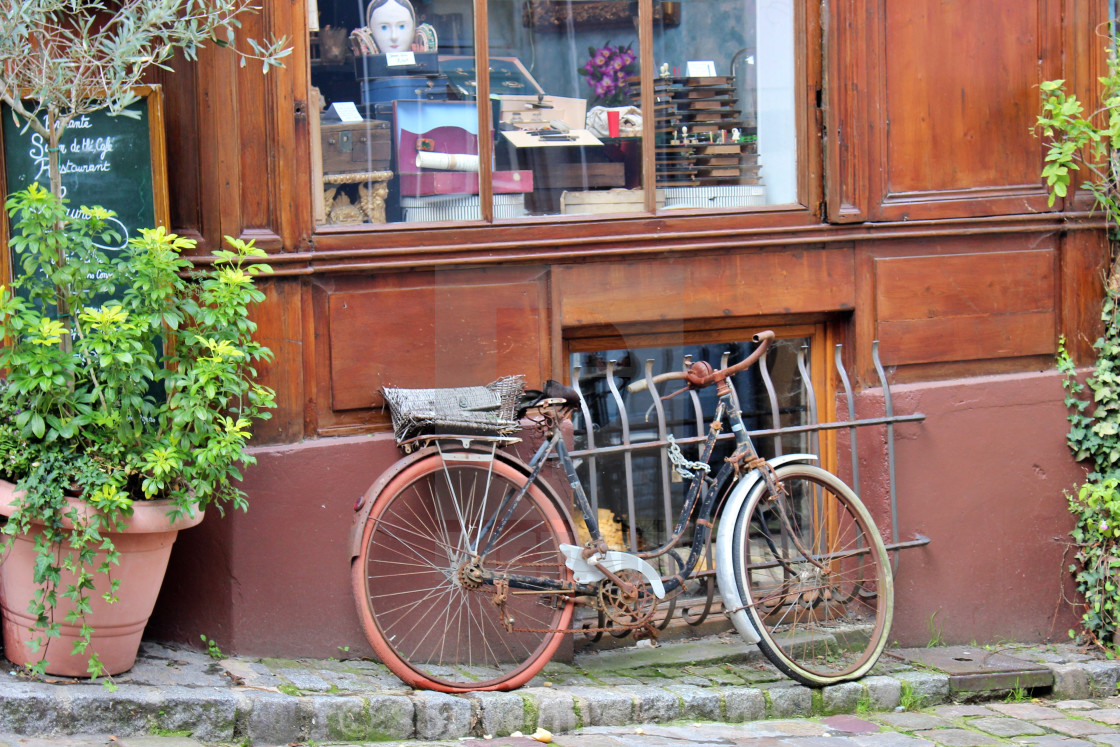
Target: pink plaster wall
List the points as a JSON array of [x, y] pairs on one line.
[[983, 477]]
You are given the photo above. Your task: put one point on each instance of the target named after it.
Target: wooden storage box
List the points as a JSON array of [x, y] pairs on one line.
[[350, 147]]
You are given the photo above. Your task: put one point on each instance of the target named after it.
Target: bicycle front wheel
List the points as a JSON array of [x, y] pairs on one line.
[[815, 577], [420, 578]]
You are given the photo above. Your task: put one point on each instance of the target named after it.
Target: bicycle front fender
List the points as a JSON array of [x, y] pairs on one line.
[[745, 489]]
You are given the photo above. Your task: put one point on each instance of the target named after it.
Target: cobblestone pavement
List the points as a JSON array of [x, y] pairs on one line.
[[628, 696], [1067, 723]]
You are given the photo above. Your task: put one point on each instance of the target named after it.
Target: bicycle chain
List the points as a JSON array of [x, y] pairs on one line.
[[500, 594]]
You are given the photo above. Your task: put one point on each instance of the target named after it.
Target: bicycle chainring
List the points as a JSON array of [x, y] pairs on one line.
[[630, 610]]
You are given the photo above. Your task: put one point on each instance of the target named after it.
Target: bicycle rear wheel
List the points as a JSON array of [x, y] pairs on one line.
[[814, 576], [416, 579]]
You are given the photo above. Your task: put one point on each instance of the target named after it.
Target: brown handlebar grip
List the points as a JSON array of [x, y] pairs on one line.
[[641, 386], [762, 338]]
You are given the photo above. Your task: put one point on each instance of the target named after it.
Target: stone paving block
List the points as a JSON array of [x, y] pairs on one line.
[[912, 721], [742, 704], [842, 698], [696, 702], [209, 714], [613, 680], [390, 716], [128, 711], [956, 737], [340, 718], [766, 729], [1109, 739], [653, 704], [885, 692], [1077, 727], [31, 708], [1103, 676], [890, 739], [1070, 681], [790, 701], [496, 714], [1006, 727], [1075, 705], [270, 718], [440, 715], [931, 688], [554, 709], [825, 741], [799, 728], [850, 725], [961, 711], [600, 706], [1109, 716], [1052, 740], [305, 680], [1032, 711]]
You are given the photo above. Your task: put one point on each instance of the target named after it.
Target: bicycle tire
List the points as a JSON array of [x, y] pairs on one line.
[[431, 625], [821, 617]]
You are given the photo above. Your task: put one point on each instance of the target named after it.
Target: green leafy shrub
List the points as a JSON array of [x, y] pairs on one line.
[[128, 379]]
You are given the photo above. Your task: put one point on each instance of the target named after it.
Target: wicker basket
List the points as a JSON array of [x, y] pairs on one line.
[[471, 410]]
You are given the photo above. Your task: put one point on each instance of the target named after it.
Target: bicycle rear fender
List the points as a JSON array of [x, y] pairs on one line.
[[365, 505], [745, 489]]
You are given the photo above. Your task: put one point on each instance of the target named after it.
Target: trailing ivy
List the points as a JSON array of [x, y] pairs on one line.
[[1089, 142]]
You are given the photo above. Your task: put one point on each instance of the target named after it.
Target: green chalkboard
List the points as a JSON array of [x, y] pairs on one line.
[[116, 162]]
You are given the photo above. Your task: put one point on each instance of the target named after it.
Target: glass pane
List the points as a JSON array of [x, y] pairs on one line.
[[726, 120], [651, 520], [399, 131], [563, 77]]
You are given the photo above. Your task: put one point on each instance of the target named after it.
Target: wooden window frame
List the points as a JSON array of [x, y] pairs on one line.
[[536, 235]]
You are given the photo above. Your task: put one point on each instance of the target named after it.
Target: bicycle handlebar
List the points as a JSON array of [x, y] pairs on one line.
[[700, 374]]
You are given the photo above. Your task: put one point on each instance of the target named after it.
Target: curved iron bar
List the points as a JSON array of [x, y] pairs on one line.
[[851, 416], [627, 455], [888, 411]]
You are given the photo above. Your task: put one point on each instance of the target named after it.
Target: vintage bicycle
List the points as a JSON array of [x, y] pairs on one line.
[[466, 568]]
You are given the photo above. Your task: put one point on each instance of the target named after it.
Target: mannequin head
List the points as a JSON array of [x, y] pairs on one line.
[[392, 24]]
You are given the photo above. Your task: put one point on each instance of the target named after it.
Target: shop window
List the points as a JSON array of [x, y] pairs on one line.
[[643, 517], [564, 132]]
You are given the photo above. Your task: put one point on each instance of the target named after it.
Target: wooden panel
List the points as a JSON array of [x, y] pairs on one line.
[[932, 103], [966, 306], [967, 338], [279, 320], [965, 284], [1084, 263], [960, 93], [438, 329], [745, 284]]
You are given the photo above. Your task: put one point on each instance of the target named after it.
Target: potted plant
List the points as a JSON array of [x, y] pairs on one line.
[[138, 425]]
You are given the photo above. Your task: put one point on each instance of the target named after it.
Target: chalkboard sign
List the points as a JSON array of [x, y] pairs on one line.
[[116, 162]]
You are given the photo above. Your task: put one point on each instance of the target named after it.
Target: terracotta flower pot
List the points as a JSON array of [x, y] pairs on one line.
[[144, 546]]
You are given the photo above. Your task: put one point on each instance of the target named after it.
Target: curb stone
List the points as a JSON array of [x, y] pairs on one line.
[[177, 692]]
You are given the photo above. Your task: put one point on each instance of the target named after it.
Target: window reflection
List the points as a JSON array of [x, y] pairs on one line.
[[400, 137]]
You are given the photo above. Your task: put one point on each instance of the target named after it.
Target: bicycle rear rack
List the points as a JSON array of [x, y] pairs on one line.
[[627, 447]]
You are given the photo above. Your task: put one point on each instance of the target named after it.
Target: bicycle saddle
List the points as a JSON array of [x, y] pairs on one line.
[[551, 390]]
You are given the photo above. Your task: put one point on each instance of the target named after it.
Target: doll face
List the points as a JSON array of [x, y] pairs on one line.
[[392, 27]]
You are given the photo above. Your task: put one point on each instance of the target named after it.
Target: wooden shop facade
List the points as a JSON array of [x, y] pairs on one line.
[[647, 179]]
